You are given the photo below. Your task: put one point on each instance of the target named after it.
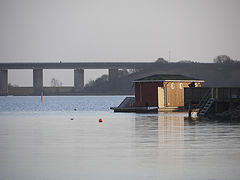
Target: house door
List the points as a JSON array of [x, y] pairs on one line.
[[160, 97]]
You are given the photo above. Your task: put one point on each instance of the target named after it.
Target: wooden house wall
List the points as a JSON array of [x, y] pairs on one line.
[[174, 94], [149, 92]]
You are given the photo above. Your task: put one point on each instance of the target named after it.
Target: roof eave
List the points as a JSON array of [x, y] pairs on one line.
[[193, 80]]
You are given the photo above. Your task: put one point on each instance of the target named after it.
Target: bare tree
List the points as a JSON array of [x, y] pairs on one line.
[[56, 83], [12, 85], [223, 59]]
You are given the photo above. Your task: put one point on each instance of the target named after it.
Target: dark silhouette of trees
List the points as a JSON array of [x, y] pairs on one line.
[[12, 85], [102, 85], [224, 72], [56, 83], [223, 59], [161, 60], [97, 83], [187, 61]]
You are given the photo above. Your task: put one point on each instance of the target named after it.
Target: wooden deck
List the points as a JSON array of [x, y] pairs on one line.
[[221, 94], [211, 101], [128, 106]]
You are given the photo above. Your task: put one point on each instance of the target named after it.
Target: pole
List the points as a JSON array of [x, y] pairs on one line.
[[190, 110], [41, 96]]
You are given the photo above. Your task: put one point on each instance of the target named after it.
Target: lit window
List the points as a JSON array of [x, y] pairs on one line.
[[181, 85], [172, 86]]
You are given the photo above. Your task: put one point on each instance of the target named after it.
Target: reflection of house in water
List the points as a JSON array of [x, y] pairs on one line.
[[171, 130], [160, 137], [161, 129], [171, 140]]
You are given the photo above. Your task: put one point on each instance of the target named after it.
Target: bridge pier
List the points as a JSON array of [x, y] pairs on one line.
[[4, 82], [37, 80], [78, 79], [112, 74]]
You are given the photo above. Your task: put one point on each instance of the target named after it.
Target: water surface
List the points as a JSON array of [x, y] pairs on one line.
[[39, 141]]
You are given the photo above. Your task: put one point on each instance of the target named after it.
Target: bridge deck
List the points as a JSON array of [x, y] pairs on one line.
[[75, 65]]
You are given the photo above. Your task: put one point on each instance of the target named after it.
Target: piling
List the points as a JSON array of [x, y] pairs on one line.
[[190, 110]]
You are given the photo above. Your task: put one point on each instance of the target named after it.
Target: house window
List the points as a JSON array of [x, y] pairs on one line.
[[172, 86], [181, 85]]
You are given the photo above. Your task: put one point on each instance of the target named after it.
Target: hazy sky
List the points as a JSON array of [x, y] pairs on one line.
[[116, 30]]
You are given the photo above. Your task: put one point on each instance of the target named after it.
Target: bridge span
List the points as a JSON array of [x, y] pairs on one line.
[[78, 68]]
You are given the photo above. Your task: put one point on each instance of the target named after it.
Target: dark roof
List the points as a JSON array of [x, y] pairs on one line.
[[166, 77]]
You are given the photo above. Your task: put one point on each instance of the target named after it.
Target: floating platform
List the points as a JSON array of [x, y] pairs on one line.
[[128, 106], [135, 109], [172, 109], [148, 109]]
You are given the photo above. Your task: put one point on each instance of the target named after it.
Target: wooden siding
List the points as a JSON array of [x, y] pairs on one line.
[[174, 94], [161, 97], [146, 94]]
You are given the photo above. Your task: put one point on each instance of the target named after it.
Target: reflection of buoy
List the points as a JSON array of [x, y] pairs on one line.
[[71, 118], [100, 120]]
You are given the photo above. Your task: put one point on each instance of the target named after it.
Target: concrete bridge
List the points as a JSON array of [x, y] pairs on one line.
[[78, 68]]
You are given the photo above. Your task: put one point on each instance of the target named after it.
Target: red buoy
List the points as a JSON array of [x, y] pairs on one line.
[[100, 120]]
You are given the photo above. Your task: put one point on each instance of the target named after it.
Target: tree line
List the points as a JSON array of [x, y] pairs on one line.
[[224, 71], [219, 59]]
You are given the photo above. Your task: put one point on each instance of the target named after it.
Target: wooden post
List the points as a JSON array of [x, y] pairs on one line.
[[190, 110], [216, 93], [211, 92]]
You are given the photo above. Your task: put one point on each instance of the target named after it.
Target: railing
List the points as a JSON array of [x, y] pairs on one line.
[[194, 96], [127, 102], [197, 95], [204, 99]]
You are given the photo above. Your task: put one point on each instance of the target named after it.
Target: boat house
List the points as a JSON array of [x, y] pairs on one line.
[[163, 90]]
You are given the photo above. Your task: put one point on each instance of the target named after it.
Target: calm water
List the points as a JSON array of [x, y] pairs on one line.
[[39, 141]]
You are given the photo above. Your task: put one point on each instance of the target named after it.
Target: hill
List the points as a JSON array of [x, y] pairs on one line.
[[214, 74]]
